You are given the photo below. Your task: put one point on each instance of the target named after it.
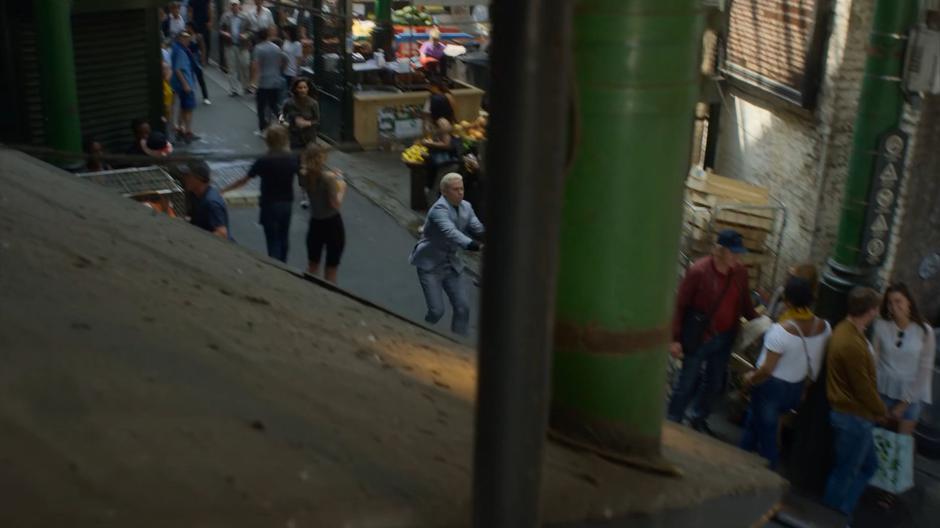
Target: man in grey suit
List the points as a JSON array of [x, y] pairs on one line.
[[451, 224]]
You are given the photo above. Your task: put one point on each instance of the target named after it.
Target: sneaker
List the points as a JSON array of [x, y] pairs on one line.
[[304, 204], [702, 426], [233, 93], [206, 101]]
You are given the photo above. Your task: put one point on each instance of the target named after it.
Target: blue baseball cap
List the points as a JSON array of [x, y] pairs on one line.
[[732, 240]]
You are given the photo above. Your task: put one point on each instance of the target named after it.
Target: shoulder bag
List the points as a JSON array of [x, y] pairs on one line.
[[696, 324]]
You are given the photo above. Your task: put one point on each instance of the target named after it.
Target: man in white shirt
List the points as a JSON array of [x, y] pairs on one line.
[[235, 36], [175, 22], [259, 17]]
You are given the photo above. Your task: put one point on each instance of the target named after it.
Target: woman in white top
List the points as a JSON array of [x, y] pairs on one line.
[[793, 352], [293, 49], [905, 349]]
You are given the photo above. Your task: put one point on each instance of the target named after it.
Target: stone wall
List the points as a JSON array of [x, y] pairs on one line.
[[768, 145], [802, 156], [917, 234], [842, 86]]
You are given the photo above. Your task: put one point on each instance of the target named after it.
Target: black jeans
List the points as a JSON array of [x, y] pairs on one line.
[[206, 41], [275, 219], [202, 83], [266, 100], [692, 384]]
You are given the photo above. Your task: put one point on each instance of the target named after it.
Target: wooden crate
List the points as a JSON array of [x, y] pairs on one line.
[[711, 201], [728, 189], [715, 203], [754, 239]]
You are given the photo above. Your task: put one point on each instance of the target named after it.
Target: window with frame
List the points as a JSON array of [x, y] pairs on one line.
[[777, 46]]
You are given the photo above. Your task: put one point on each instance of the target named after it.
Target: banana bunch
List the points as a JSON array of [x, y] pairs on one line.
[[414, 154]]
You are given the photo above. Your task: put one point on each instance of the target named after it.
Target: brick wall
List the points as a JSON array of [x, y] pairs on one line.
[[802, 157], [763, 144], [842, 85], [917, 233]]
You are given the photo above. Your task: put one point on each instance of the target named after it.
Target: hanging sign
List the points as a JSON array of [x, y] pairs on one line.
[[400, 122], [883, 200]]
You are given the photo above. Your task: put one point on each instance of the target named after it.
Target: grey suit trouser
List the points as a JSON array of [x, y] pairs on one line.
[[440, 280]]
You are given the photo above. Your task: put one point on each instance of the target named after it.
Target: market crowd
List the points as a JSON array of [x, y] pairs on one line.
[[269, 56], [262, 55], [871, 373]]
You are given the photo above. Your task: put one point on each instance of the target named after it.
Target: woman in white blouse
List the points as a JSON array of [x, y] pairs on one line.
[[905, 349], [793, 353]]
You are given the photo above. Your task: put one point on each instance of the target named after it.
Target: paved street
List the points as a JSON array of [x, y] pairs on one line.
[[375, 264]]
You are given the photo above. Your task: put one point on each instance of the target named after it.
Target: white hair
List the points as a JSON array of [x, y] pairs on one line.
[[449, 178]]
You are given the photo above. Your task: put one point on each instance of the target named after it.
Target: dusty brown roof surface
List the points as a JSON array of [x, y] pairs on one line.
[[153, 375]]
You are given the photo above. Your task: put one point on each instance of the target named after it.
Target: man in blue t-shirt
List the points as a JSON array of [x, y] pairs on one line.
[[208, 207], [183, 83]]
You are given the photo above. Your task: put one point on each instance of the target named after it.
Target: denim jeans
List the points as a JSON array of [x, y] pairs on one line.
[[446, 279], [856, 461], [769, 401], [275, 219], [713, 355], [266, 101]]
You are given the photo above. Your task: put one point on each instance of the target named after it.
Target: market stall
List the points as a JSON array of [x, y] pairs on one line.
[[383, 117], [465, 157], [374, 97]]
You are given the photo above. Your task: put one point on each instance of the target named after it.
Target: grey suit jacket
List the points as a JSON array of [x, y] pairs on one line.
[[446, 230]]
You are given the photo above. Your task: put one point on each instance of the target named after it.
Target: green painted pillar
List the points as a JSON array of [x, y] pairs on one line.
[[59, 90], [383, 9], [383, 35], [879, 110], [637, 82]]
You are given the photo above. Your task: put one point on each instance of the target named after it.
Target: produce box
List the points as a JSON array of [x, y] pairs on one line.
[[715, 203]]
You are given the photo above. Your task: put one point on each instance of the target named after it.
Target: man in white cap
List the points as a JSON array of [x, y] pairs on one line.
[[234, 33]]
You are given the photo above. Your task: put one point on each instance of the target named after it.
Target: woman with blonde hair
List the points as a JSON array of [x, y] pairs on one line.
[[325, 190], [276, 169]]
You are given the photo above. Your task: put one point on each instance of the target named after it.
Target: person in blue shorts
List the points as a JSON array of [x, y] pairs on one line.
[[183, 83]]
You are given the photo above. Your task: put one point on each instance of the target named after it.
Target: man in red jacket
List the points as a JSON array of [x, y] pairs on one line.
[[712, 298]]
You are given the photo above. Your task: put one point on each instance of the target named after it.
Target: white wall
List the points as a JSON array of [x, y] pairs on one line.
[[801, 156]]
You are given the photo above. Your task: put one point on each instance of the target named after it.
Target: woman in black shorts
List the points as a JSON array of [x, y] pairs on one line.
[[325, 189]]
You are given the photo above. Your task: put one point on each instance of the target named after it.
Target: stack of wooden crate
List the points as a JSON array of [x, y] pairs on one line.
[[714, 203]]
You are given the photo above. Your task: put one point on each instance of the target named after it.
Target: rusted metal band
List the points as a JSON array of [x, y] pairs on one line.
[[594, 339]]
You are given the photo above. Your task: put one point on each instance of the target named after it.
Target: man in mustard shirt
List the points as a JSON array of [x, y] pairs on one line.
[[856, 406]]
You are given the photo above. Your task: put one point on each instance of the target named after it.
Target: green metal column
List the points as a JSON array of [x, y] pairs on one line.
[[57, 74], [383, 34], [879, 110], [637, 82], [383, 10]]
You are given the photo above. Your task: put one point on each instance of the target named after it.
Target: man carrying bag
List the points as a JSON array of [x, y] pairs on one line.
[[712, 298]]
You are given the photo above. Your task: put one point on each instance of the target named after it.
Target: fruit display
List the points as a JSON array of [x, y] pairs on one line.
[[415, 154], [411, 16], [473, 131]]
